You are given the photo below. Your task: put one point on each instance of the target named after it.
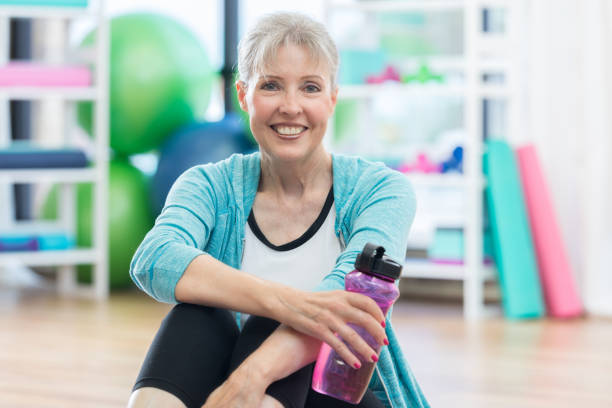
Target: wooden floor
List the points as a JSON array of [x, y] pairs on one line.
[[75, 353]]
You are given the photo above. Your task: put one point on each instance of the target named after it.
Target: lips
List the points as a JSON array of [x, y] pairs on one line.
[[289, 131]]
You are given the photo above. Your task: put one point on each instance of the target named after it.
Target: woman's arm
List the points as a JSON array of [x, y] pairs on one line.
[[208, 281], [318, 315], [270, 359], [247, 384]]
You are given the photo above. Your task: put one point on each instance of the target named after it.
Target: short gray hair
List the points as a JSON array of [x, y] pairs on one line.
[[275, 30]]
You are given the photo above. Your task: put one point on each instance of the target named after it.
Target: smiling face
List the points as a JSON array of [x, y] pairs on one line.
[[289, 105]]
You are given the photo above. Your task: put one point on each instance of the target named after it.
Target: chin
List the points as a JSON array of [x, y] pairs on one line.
[[291, 154]]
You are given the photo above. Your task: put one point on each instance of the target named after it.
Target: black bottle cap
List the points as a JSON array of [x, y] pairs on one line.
[[373, 261]]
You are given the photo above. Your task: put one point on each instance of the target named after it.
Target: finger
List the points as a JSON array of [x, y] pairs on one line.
[[374, 319], [355, 337], [324, 331], [375, 334], [342, 349], [367, 304]]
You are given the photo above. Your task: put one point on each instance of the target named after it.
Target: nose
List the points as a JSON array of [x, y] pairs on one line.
[[290, 104]]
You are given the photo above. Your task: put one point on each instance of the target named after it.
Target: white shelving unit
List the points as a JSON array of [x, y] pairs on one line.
[[65, 261], [67, 94], [480, 56]]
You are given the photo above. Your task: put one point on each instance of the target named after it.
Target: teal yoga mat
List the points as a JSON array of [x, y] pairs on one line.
[[513, 247]]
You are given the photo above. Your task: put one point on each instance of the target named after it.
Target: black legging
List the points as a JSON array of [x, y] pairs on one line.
[[197, 347]]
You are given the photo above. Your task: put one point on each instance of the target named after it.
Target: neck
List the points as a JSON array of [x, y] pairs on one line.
[[295, 178]]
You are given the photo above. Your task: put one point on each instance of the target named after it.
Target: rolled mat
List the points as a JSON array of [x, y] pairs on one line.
[[513, 248], [556, 276], [32, 74]]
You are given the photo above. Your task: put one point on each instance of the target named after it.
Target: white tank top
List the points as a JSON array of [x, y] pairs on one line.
[[301, 263]]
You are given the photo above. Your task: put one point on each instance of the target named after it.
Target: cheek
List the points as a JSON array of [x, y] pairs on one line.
[[321, 112], [261, 106]]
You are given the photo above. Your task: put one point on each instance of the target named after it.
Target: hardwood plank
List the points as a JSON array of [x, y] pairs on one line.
[[58, 352]]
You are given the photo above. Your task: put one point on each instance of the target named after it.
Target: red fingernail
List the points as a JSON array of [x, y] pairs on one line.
[[357, 365], [386, 342], [383, 324], [374, 358]]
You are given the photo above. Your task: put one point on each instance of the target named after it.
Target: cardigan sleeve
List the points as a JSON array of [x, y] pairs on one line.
[[381, 211], [179, 235]]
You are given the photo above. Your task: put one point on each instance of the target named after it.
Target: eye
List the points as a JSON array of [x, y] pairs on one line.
[[269, 86], [311, 88]]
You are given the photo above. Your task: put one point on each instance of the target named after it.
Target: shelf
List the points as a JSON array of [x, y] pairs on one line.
[[453, 64], [442, 180], [34, 93], [29, 81], [51, 258], [431, 270], [446, 90], [451, 180], [77, 175], [47, 12], [386, 6], [413, 5], [370, 90]]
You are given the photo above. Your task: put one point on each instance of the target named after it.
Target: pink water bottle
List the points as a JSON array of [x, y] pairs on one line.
[[374, 276]]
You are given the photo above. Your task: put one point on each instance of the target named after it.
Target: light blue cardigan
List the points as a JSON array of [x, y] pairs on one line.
[[206, 212]]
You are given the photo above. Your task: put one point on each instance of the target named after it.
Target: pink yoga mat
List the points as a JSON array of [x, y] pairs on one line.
[[31, 74], [556, 277]]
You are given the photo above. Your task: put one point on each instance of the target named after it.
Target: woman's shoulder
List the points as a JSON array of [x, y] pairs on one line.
[[362, 173]]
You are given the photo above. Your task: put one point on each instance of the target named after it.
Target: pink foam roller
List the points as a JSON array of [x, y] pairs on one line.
[[31, 74], [556, 276]]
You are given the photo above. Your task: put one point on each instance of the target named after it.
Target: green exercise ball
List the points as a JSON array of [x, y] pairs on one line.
[[129, 219], [160, 80]]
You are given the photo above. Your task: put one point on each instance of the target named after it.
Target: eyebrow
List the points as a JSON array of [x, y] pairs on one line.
[[304, 77]]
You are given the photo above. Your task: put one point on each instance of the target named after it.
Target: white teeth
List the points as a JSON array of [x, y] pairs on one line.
[[289, 130]]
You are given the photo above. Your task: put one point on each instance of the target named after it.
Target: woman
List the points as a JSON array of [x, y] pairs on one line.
[[272, 235]]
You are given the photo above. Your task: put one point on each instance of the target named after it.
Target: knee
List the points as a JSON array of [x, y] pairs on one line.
[[150, 397], [218, 319]]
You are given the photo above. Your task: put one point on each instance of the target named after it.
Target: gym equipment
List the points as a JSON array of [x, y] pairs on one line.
[[198, 143], [29, 74], [453, 163], [160, 80], [556, 276], [46, 3], [514, 255], [421, 165], [389, 74], [358, 64], [448, 246], [26, 156], [37, 242], [129, 219], [423, 75]]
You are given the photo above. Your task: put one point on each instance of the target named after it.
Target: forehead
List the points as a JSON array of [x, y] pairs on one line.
[[295, 61]]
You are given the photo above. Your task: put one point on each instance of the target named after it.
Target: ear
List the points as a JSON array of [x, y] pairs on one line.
[[334, 98], [241, 91]]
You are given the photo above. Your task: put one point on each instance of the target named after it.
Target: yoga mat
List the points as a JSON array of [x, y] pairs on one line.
[[556, 276], [23, 156], [513, 248], [30, 74], [64, 3], [12, 244], [39, 242]]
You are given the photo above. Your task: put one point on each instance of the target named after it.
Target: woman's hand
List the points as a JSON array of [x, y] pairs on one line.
[[244, 388], [323, 314]]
